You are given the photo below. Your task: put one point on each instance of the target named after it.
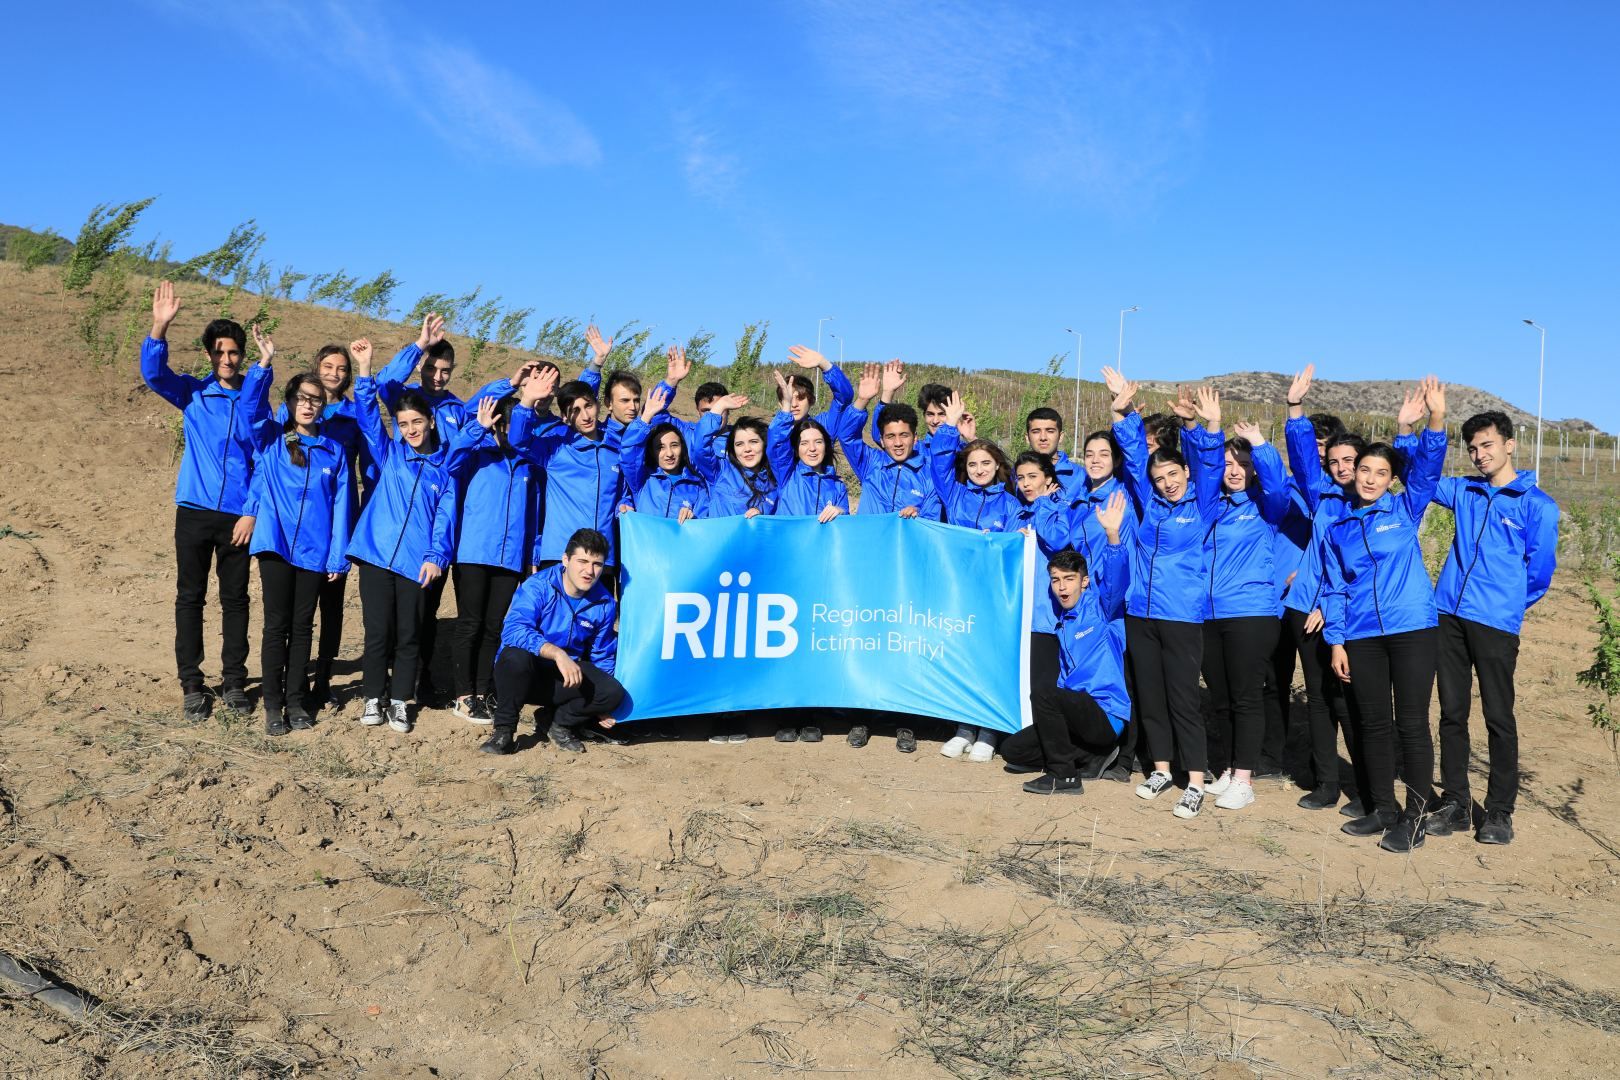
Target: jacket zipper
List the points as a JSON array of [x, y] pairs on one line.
[[1484, 519], [225, 453], [298, 526], [1377, 611], [506, 508], [405, 522]]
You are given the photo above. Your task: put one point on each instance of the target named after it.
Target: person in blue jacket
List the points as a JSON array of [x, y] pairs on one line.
[[584, 480], [675, 373], [500, 499], [1043, 430], [973, 481], [1380, 620], [296, 520], [894, 479], [742, 482], [796, 394], [931, 400], [1244, 608], [219, 414], [658, 475], [1175, 506], [1500, 563], [438, 359], [1042, 513], [1084, 712], [558, 649], [402, 542]]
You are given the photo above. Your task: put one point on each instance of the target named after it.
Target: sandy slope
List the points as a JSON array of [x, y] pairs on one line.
[[356, 901]]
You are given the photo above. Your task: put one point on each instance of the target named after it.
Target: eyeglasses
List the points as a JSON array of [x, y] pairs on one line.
[[312, 402]]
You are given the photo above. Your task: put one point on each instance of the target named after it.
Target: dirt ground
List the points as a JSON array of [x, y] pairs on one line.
[[350, 901]]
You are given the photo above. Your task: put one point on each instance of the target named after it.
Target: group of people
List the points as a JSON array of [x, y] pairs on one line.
[[1175, 550]]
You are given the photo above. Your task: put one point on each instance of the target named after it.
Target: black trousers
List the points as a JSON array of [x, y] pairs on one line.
[[290, 597], [427, 630], [1166, 657], [1044, 663], [391, 608], [1067, 722], [1398, 668], [202, 538], [1327, 704], [483, 593], [1237, 652], [1467, 647], [522, 678], [331, 611], [1286, 746]]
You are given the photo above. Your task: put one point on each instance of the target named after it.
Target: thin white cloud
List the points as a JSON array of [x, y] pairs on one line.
[[474, 106], [710, 171]]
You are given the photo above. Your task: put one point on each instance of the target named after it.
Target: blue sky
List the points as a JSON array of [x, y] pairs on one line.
[[1384, 189]]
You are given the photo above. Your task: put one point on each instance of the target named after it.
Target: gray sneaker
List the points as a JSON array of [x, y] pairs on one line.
[[372, 717], [1192, 801], [399, 716]]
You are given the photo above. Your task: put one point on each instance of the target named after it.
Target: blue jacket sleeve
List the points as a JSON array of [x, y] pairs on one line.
[[391, 379], [462, 453], [605, 646], [1540, 548], [1303, 459], [1424, 475], [592, 377], [704, 458], [778, 447], [838, 384], [1275, 494], [931, 509], [942, 461], [521, 630], [336, 561], [535, 435], [442, 542], [1110, 576], [1445, 492], [497, 390], [632, 449], [1052, 522], [255, 393], [174, 388], [1208, 462], [370, 420], [855, 449], [256, 486], [1132, 439], [1333, 597]]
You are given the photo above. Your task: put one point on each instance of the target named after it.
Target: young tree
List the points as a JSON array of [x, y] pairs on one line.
[[33, 249], [745, 362], [373, 297], [561, 339], [1603, 676], [481, 325], [287, 282], [336, 289], [513, 326], [102, 233]]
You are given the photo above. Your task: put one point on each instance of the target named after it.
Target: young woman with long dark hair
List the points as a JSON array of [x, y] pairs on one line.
[[658, 475]]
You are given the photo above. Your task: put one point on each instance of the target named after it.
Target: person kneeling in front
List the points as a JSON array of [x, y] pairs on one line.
[[558, 647], [1086, 709]]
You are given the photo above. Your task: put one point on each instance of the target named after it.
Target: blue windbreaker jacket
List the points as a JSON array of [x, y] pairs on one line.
[[1167, 560], [300, 513], [662, 493], [807, 491], [410, 518], [733, 491], [887, 486], [1503, 556], [1240, 547], [1091, 635], [500, 494], [584, 485], [1374, 581], [1085, 535], [543, 613], [991, 507], [449, 411], [220, 429]]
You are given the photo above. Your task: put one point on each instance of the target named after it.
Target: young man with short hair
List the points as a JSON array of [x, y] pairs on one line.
[[931, 401], [1501, 562], [219, 414], [894, 479], [1043, 430], [559, 646]]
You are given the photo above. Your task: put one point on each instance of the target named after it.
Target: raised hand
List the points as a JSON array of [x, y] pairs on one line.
[[657, 402], [1412, 407], [539, 386], [807, 358], [600, 346], [1111, 516], [1300, 386], [1250, 432], [679, 366], [361, 351], [955, 409], [722, 405], [432, 331], [894, 377], [1434, 396], [524, 370], [1122, 389], [487, 412], [968, 427], [871, 378], [1183, 407], [266, 347], [1208, 407], [165, 306], [784, 392]]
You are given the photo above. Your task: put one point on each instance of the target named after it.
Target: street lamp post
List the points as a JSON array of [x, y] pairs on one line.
[[1541, 378], [823, 319], [1119, 360], [1079, 342]]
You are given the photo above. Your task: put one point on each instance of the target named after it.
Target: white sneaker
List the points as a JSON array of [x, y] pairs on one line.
[[984, 749], [399, 717], [956, 744], [1155, 783], [372, 717], [1192, 801], [1236, 797], [1220, 785]]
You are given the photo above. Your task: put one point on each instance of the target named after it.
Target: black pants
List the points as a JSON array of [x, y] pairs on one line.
[[522, 678], [1286, 746], [1467, 647], [1237, 652], [331, 609], [427, 630], [290, 597], [1067, 722], [1398, 667], [1166, 657], [203, 538], [1327, 706], [1044, 663], [483, 593], [391, 608]]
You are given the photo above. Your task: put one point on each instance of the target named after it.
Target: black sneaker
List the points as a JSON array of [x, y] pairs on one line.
[[1322, 798], [1451, 815], [501, 742], [597, 733], [809, 734], [1269, 771], [1097, 768], [1405, 836], [298, 718], [1355, 808], [197, 707], [858, 736], [1052, 784], [905, 741], [1018, 770], [1370, 824], [1118, 772], [481, 710], [1496, 829], [787, 734], [236, 700], [275, 720], [565, 739]]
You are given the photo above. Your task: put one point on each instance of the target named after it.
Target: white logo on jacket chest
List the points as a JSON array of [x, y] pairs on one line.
[[1387, 527], [1078, 634], [1510, 523], [1185, 520]]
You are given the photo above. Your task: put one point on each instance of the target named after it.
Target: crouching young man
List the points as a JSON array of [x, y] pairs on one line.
[[558, 647], [1085, 711]]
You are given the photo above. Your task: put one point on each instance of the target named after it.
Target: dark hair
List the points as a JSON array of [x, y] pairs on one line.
[[503, 421], [1068, 561], [348, 365], [798, 385], [1113, 448], [649, 453], [1043, 413], [1325, 424], [416, 401], [1396, 459], [621, 378], [1165, 429], [439, 350], [570, 392], [1480, 421], [932, 394], [758, 427], [708, 392], [1244, 453], [1164, 455], [589, 541], [224, 328], [997, 455], [289, 426], [1041, 461], [810, 423], [897, 413], [1345, 438]]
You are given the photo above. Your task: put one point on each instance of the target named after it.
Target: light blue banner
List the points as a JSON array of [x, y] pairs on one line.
[[862, 612]]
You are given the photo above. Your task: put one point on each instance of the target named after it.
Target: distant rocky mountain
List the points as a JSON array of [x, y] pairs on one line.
[[1367, 395]]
